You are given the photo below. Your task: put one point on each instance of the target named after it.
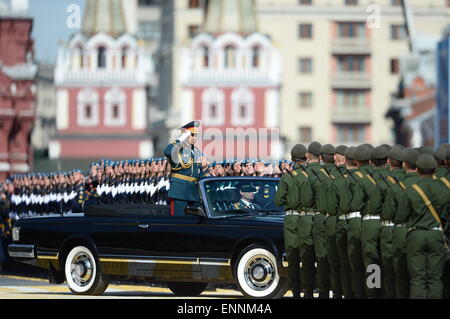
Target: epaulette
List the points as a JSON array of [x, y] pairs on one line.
[[445, 181], [392, 180], [359, 174]]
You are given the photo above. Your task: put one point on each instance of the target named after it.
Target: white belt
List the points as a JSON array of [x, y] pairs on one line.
[[433, 228], [316, 213], [350, 216], [370, 217], [307, 214], [400, 225], [387, 223], [292, 212]]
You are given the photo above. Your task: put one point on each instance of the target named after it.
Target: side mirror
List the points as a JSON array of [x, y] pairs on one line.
[[196, 211]]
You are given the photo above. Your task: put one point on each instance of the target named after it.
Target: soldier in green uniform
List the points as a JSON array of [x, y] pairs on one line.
[[441, 172], [389, 208], [186, 169], [386, 184], [423, 208], [301, 199], [348, 232], [288, 195], [316, 176], [370, 224], [401, 275], [328, 205]]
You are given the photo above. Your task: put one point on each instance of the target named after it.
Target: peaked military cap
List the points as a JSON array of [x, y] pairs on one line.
[[426, 161], [411, 156], [441, 153], [341, 149], [386, 147], [192, 126], [425, 150], [379, 153], [350, 153], [328, 149], [362, 153], [299, 151], [369, 146], [315, 148], [397, 153]]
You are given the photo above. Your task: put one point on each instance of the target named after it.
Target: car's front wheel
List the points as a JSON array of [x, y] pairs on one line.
[[83, 273], [257, 275]]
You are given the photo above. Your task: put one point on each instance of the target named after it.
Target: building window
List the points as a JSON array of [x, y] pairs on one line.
[[256, 55], [398, 32], [305, 31], [351, 2], [243, 107], [149, 30], [351, 63], [305, 133], [305, 99], [350, 133], [124, 58], [305, 2], [87, 108], [305, 65], [230, 57], [351, 100], [193, 30], [351, 30], [395, 66], [205, 56], [101, 57], [194, 4], [213, 107], [115, 108]]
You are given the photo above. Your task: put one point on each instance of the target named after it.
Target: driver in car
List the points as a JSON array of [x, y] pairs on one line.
[[247, 198]]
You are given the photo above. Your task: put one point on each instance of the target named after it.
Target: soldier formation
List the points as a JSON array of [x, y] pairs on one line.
[[355, 213]]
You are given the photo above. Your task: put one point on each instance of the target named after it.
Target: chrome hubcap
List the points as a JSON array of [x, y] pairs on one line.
[[81, 269], [259, 273]]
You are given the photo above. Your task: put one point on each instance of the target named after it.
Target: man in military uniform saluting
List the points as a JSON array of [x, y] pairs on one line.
[[423, 209], [186, 169]]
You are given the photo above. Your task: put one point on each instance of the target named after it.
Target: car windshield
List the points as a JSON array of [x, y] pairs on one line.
[[236, 197]]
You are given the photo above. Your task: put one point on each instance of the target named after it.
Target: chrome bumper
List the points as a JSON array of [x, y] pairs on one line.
[[21, 251]]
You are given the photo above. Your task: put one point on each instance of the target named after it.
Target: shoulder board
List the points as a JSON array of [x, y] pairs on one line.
[[294, 173], [434, 177], [445, 181], [359, 174], [304, 173], [402, 185], [392, 180], [236, 205], [371, 179]]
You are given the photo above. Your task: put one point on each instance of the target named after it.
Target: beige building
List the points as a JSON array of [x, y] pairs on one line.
[[341, 62]]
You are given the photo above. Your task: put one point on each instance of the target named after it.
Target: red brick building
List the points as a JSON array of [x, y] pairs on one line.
[[101, 77], [17, 94]]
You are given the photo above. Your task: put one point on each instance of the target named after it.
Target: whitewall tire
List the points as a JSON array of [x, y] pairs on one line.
[[257, 275], [83, 274]]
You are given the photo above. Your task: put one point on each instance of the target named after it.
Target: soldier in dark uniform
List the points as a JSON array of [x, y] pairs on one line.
[[424, 208], [247, 200], [186, 169]]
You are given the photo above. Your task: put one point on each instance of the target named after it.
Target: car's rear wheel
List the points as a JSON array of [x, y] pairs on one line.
[[256, 272], [187, 289], [83, 273]]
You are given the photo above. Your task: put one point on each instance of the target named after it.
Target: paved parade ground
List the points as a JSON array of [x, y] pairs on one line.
[[14, 287]]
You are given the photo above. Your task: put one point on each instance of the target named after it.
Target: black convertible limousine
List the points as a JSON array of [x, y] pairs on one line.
[[219, 242]]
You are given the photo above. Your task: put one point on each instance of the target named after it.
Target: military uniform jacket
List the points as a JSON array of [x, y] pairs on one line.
[[315, 178], [328, 198], [301, 196], [394, 192], [364, 187], [383, 184], [409, 180], [185, 172], [415, 213]]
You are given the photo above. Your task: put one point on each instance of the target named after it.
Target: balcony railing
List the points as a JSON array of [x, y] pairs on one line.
[[351, 115], [234, 76], [102, 76], [351, 46], [351, 80]]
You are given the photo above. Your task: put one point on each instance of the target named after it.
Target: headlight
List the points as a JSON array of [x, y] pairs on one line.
[[16, 233]]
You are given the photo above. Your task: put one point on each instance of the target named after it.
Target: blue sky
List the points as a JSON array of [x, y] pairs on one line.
[[50, 26]]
